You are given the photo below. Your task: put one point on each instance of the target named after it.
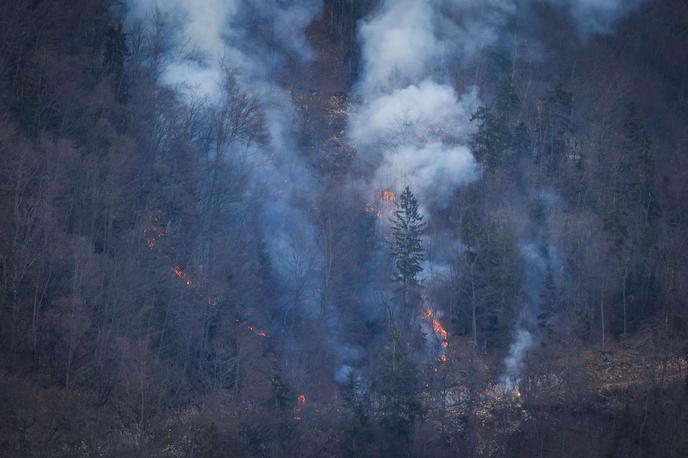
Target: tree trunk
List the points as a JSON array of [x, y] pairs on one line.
[[625, 281], [602, 319], [474, 320]]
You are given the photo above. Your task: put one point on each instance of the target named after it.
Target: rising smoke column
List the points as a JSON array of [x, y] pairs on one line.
[[596, 16], [590, 17], [410, 125], [253, 39], [533, 265]]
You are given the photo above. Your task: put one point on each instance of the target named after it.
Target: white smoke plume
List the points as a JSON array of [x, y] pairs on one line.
[[410, 124], [243, 34], [412, 127], [513, 363], [252, 38], [534, 265], [596, 16], [535, 257]]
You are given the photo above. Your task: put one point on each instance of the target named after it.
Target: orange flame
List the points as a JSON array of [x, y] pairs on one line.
[[439, 329], [300, 402], [257, 331], [179, 272], [386, 195], [153, 232], [384, 201]]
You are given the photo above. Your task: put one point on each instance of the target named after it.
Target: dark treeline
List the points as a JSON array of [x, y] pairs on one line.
[[146, 314]]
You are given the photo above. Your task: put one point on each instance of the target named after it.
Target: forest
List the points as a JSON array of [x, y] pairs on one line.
[[344, 228]]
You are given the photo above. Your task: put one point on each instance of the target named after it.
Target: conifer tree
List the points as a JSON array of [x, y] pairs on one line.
[[406, 244], [491, 140], [555, 128], [359, 433], [399, 405]]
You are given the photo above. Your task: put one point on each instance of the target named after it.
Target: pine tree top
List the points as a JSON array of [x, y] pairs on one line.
[[406, 244]]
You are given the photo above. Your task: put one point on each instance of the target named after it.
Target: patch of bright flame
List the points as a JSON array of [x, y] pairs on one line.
[[386, 195], [384, 201], [300, 402], [439, 329], [189, 282], [257, 331], [151, 234]]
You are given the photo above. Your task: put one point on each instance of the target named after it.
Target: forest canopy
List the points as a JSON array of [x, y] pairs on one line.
[[343, 228]]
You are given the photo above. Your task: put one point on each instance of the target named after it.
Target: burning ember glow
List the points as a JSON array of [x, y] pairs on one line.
[[189, 282], [386, 195], [153, 232], [371, 210], [499, 393], [437, 328], [258, 332], [300, 402], [384, 202]]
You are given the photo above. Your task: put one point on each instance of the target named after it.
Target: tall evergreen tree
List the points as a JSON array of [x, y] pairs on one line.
[[406, 245], [555, 128], [491, 140], [359, 433], [399, 405]]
